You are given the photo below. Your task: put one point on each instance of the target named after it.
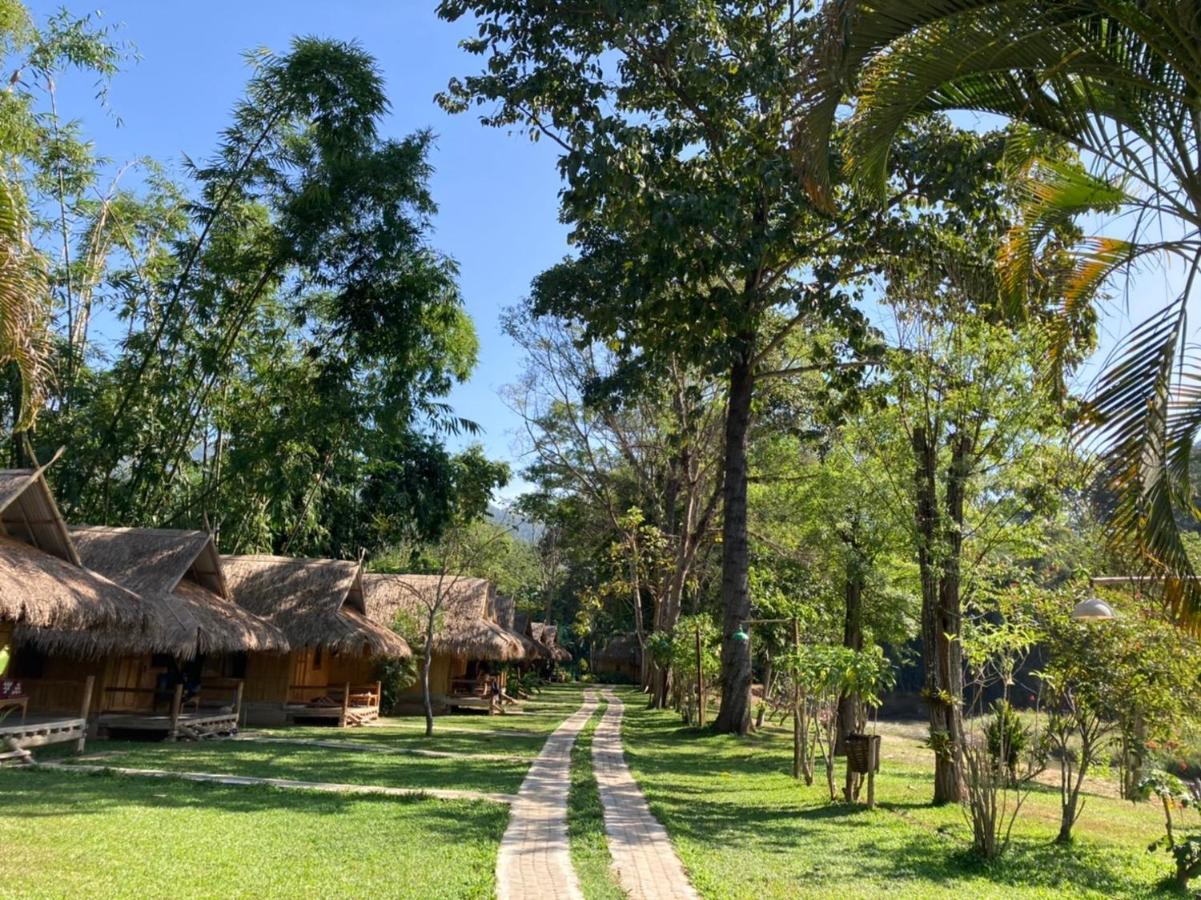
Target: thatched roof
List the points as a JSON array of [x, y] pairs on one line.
[[41, 591], [152, 560], [178, 576], [622, 648], [548, 635], [29, 514], [42, 583], [315, 602], [465, 628], [505, 614]]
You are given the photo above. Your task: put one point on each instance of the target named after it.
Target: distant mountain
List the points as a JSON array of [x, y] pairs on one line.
[[523, 528]]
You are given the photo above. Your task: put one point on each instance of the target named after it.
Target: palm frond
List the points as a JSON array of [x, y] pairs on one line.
[[1142, 421], [1056, 193]]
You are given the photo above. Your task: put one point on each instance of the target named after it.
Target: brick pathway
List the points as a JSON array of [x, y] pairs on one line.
[[534, 862], [645, 862]]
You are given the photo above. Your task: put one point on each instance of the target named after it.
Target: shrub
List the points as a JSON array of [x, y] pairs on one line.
[[1007, 738], [395, 677]]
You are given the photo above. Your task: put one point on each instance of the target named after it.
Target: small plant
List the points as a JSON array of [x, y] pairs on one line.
[[999, 762], [1008, 739], [1185, 849]]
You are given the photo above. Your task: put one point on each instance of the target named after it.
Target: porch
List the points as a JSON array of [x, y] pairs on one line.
[[22, 731], [346, 706], [212, 710]]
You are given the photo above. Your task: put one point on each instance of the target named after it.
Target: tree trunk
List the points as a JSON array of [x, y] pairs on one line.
[[850, 706], [941, 652], [425, 674], [734, 717], [851, 718]]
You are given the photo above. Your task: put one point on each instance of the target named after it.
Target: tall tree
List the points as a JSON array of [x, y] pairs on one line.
[[289, 333], [693, 240], [654, 450]]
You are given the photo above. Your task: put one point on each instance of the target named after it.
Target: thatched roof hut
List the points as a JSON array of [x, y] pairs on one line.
[[505, 613], [548, 636], [178, 575], [465, 629], [42, 583], [621, 650], [315, 602]]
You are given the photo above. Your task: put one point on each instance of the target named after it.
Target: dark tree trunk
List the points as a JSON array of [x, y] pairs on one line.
[[850, 706], [427, 659], [851, 718], [734, 717], [938, 561]]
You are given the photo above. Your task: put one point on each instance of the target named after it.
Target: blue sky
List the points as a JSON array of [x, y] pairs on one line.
[[497, 193]]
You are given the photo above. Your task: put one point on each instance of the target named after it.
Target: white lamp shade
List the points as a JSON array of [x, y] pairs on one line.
[[1092, 609]]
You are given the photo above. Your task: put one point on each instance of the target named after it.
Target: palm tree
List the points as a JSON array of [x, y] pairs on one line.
[[23, 306], [1120, 82]]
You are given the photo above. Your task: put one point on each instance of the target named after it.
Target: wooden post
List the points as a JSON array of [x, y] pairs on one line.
[[238, 702], [700, 681], [871, 788], [345, 705], [379, 695], [83, 712], [176, 705]]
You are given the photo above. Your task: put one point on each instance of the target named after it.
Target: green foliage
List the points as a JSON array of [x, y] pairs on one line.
[[395, 676], [1007, 737], [287, 332], [1185, 849], [1109, 79]]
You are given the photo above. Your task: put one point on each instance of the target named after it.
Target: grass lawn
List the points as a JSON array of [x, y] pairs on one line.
[[489, 735], [586, 822], [67, 835], [744, 828]]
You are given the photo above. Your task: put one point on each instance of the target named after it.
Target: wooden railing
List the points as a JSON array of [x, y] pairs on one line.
[[33, 688], [348, 694], [53, 695], [116, 698]]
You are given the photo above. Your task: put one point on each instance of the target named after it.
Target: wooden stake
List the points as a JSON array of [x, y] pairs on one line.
[[345, 705], [176, 705], [238, 701], [700, 681], [83, 711]]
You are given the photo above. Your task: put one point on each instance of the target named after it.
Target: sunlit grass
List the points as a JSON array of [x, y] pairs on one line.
[[744, 828], [71, 835]]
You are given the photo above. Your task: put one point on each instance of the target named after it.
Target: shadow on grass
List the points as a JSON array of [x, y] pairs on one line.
[[45, 794], [717, 791], [304, 763]]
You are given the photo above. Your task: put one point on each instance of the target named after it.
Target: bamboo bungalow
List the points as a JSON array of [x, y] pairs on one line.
[[507, 617], [44, 586], [330, 674], [548, 636], [467, 647], [182, 674], [621, 656]]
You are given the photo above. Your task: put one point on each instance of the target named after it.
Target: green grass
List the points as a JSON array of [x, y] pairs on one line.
[[744, 828], [310, 763], [266, 759], [69, 835], [586, 823]]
